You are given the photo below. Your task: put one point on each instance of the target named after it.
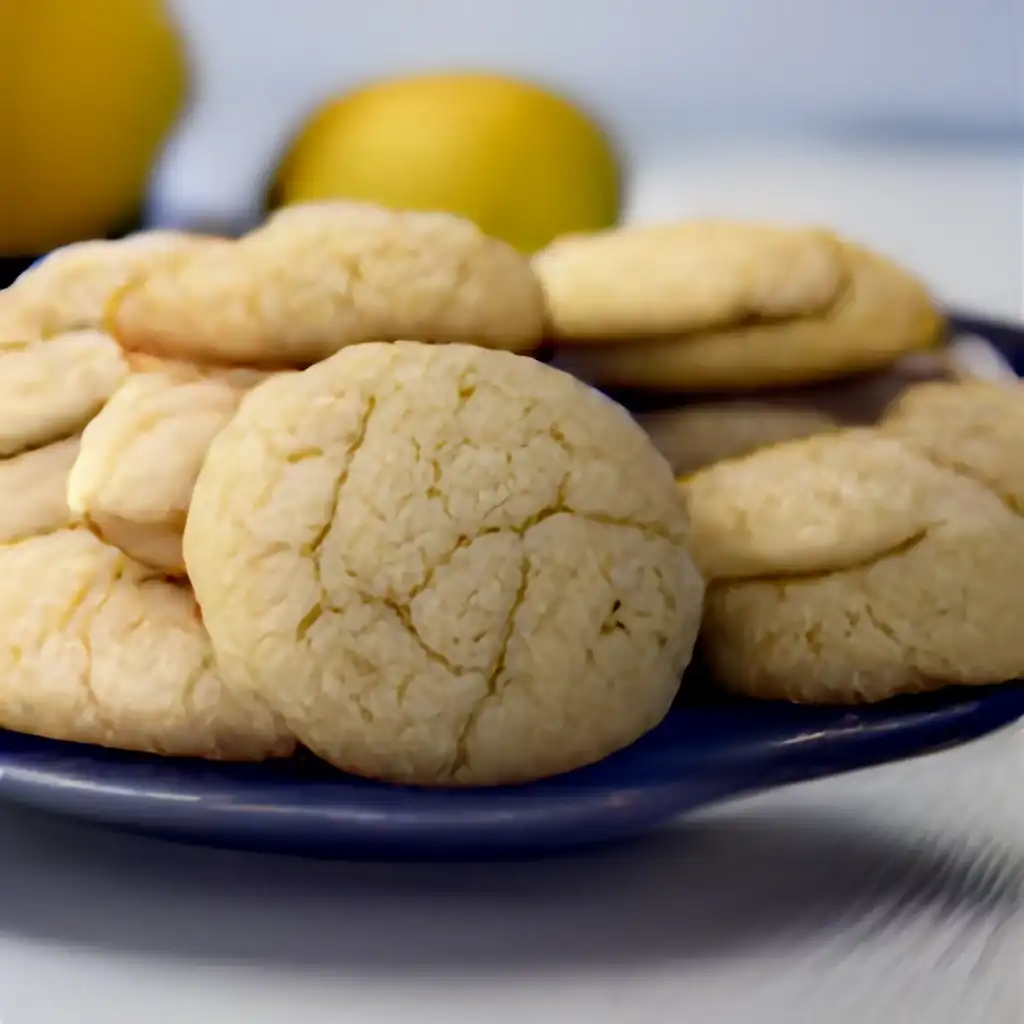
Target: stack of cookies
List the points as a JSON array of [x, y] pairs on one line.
[[310, 488], [243, 515], [738, 334], [873, 561]]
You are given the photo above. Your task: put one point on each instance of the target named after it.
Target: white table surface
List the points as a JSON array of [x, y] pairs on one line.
[[891, 896]]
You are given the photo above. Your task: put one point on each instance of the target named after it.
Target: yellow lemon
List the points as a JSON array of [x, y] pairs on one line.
[[89, 89], [523, 164]]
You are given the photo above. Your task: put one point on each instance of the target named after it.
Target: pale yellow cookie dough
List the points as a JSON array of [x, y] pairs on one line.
[[644, 281], [882, 313], [315, 278], [95, 648], [849, 568], [444, 565], [698, 435], [133, 478]]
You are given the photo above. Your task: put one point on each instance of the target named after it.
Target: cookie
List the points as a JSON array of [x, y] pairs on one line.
[[975, 428], [318, 277], [698, 435], [882, 313], [849, 568], [57, 368], [69, 289], [651, 281], [132, 480], [34, 486], [95, 648], [444, 565], [50, 388]]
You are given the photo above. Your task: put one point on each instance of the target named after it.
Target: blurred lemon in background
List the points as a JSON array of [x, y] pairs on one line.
[[89, 90], [522, 163]]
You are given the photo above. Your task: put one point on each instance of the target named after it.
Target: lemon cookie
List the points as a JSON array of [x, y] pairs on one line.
[[445, 565], [34, 489], [139, 459], [317, 277], [973, 427], [69, 289], [50, 388], [57, 368], [669, 279], [849, 568], [95, 648], [697, 435], [881, 314]]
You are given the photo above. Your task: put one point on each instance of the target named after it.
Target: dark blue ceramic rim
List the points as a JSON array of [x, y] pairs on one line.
[[698, 756]]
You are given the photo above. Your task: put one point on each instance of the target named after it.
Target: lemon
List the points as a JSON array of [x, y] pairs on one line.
[[88, 91], [523, 164]]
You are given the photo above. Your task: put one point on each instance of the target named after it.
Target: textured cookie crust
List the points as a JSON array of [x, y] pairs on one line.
[[850, 568], [95, 648], [132, 480], [694, 436], [70, 288], [672, 279], [318, 277], [57, 368], [34, 490], [445, 565], [881, 314], [49, 389], [975, 428], [98, 651]]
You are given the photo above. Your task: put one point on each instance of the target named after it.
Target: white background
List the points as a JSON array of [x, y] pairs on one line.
[[667, 76]]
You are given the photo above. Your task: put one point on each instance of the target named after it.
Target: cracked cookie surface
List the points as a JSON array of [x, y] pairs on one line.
[[881, 313], [57, 366], [445, 565], [662, 279], [50, 388], [317, 277], [850, 568], [138, 461], [95, 648], [69, 289], [973, 427]]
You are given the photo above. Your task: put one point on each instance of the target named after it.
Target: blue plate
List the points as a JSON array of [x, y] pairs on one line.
[[708, 749]]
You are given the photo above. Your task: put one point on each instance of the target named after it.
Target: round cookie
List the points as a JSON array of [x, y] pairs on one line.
[[849, 568], [57, 368], [973, 427], [881, 314], [69, 289], [94, 648], [445, 565], [694, 436], [318, 277], [669, 279], [133, 478], [49, 389], [34, 486]]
